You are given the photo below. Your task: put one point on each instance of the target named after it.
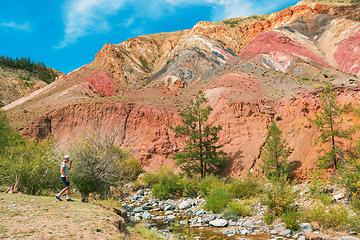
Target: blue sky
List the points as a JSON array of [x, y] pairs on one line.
[[66, 34]]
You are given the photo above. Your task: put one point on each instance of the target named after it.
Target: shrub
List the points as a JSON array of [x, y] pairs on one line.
[[269, 217], [290, 218], [167, 184], [246, 188], [145, 232], [217, 199], [167, 187], [235, 209], [189, 186], [209, 182], [335, 217], [325, 199], [355, 204], [279, 197], [99, 163], [32, 164]]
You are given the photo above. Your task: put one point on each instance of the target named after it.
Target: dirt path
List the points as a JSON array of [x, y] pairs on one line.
[[32, 217]]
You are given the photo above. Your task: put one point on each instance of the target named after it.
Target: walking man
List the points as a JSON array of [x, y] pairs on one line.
[[64, 170]]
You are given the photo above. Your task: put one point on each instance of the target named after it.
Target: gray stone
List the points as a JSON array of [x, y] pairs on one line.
[[350, 238], [248, 223], [128, 208], [189, 211], [140, 193], [285, 232], [170, 218], [135, 197], [184, 222], [305, 228], [169, 213], [170, 202], [200, 212], [146, 207], [273, 232], [218, 223], [185, 205], [245, 232], [146, 215], [339, 196], [169, 207], [138, 210], [302, 238], [160, 217]]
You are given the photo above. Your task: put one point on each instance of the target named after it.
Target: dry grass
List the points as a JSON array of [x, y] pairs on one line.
[[33, 217]]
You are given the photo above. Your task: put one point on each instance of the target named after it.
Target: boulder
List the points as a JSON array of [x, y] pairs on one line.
[[169, 207], [146, 215], [200, 212], [185, 205], [339, 196], [219, 223], [170, 218], [285, 232], [305, 228], [248, 223]]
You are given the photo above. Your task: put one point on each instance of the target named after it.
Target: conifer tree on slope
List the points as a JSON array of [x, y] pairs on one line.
[[328, 122], [201, 154], [274, 155]]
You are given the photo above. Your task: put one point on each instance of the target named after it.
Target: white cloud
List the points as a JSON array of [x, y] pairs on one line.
[[83, 17], [26, 26]]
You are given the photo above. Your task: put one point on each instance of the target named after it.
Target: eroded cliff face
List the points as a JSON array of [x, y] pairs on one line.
[[145, 129]]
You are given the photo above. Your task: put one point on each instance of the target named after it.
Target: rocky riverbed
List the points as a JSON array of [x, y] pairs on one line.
[[185, 218]]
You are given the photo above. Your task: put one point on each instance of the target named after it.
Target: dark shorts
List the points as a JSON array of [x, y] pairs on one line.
[[65, 182]]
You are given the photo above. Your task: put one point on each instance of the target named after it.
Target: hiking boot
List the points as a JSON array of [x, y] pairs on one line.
[[69, 200], [58, 198]]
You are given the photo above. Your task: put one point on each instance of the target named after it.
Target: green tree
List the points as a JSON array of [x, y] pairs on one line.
[[30, 166], [201, 154], [274, 155], [328, 122], [6, 131]]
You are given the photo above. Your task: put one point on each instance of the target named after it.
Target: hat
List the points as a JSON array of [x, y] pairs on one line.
[[67, 156]]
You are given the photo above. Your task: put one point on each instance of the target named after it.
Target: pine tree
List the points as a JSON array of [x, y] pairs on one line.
[[201, 154], [328, 122], [274, 155]]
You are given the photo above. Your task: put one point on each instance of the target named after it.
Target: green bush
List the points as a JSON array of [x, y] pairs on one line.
[[167, 184], [335, 217], [237, 209], [290, 218], [189, 186], [280, 197], [33, 164], [167, 187], [355, 204], [209, 182], [269, 217], [144, 232], [246, 188], [325, 199], [217, 199]]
